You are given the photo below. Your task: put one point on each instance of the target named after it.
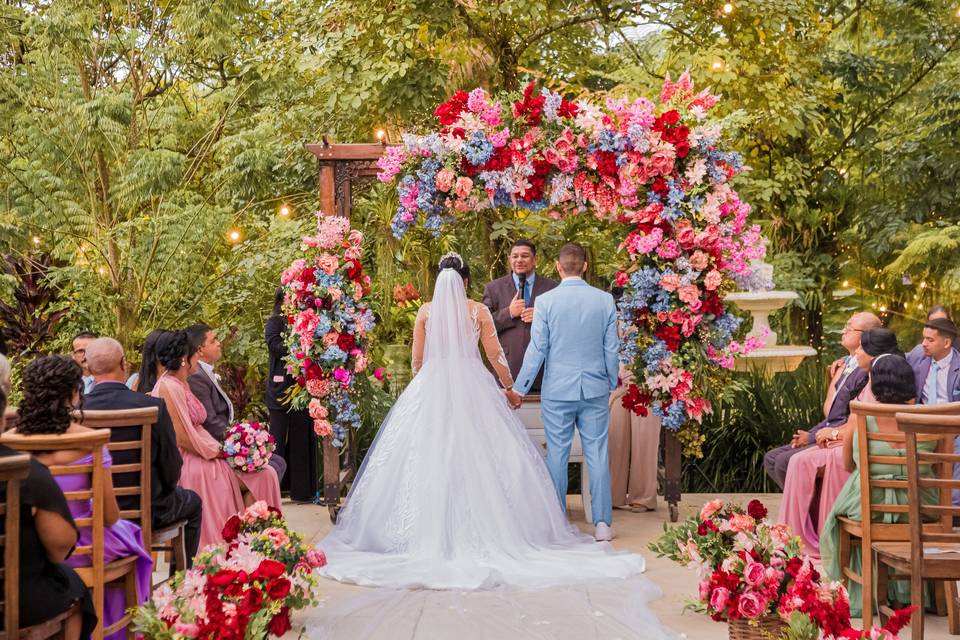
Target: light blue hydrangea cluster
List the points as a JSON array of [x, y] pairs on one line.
[[674, 417], [655, 353], [478, 149]]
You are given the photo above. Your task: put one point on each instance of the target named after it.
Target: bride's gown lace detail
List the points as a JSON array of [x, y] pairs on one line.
[[453, 494]]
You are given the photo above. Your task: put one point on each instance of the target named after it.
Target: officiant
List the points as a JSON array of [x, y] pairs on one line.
[[511, 301]]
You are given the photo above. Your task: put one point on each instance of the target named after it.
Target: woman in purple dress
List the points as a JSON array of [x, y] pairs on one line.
[[52, 386]]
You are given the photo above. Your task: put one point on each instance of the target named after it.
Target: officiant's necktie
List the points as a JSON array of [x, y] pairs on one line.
[[931, 388], [526, 292]]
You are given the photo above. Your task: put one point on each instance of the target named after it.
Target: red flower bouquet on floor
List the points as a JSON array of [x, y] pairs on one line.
[[243, 589], [751, 569]]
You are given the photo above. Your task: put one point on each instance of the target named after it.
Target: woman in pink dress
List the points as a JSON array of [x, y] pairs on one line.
[[800, 490], [204, 470]]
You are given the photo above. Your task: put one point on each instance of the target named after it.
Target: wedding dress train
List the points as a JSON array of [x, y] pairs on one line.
[[453, 494]]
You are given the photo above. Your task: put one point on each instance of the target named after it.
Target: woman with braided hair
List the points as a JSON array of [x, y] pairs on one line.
[[52, 386]]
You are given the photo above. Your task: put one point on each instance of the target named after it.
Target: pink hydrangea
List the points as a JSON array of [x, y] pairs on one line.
[[463, 187], [318, 388], [322, 428]]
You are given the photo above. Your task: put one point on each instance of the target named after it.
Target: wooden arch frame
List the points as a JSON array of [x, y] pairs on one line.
[[341, 167]]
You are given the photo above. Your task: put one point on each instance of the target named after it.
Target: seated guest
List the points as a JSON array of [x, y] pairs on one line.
[[204, 471], [48, 587], [845, 378], [892, 382], [52, 386], [80, 342], [205, 384], [936, 312], [169, 503], [146, 378], [800, 491], [937, 371]]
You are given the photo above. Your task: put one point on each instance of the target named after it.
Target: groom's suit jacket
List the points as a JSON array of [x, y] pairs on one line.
[[514, 333], [574, 336]]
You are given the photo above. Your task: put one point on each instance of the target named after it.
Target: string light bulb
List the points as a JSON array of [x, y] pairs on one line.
[[234, 236], [717, 65], [845, 284], [101, 270], [284, 211], [883, 308], [923, 285], [728, 8], [381, 135], [35, 240]]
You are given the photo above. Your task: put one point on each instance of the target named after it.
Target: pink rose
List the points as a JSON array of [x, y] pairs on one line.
[[719, 598], [699, 260], [322, 428], [710, 508], [751, 606], [316, 558], [335, 293], [342, 376], [689, 293], [622, 278], [742, 522], [670, 281], [464, 187], [328, 263], [330, 338], [317, 409], [444, 180], [686, 236], [378, 373], [713, 280], [754, 573]]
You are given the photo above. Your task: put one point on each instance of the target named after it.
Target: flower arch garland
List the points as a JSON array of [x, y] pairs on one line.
[[658, 170]]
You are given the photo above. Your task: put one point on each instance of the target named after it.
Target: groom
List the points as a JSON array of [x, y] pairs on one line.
[[574, 335]]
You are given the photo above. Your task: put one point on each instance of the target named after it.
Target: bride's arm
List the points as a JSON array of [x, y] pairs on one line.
[[419, 338], [492, 347]]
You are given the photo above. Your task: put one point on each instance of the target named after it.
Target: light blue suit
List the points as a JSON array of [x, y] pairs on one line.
[[574, 337]]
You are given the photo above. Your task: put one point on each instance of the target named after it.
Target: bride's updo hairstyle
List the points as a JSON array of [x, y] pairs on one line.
[[458, 264]]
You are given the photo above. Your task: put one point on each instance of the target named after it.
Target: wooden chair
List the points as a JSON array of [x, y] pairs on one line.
[[914, 558], [11, 419], [865, 532], [171, 538], [99, 573], [13, 469]]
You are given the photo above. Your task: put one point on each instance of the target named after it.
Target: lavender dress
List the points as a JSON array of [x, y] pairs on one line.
[[119, 541]]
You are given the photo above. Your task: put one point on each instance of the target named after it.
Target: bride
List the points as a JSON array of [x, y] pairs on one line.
[[453, 494]]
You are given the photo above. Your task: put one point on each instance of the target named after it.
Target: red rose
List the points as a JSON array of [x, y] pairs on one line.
[[670, 334], [346, 342], [269, 569], [231, 528], [354, 269], [278, 588], [252, 601], [683, 149], [756, 510], [223, 577], [280, 623], [793, 566], [671, 117], [636, 401], [448, 112]]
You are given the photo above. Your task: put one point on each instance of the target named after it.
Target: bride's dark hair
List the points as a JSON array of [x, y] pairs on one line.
[[458, 264]]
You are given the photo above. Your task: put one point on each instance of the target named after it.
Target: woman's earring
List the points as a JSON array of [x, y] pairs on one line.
[[183, 363]]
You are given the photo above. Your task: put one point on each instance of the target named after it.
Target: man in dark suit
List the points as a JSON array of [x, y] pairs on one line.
[[169, 503], [847, 380], [511, 301], [205, 385]]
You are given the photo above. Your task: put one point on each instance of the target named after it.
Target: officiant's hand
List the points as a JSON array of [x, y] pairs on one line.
[[527, 315], [514, 399], [517, 306]]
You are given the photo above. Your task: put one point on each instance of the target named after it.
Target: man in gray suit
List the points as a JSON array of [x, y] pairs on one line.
[[205, 384], [511, 300]]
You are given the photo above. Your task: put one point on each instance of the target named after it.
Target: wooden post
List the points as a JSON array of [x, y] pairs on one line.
[[671, 480]]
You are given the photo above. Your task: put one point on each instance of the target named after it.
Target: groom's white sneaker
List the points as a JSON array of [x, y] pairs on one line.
[[604, 532]]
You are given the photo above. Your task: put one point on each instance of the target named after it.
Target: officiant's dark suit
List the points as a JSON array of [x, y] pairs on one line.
[[514, 331]]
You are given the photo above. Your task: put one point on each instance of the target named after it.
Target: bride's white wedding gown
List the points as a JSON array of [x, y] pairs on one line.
[[453, 494]]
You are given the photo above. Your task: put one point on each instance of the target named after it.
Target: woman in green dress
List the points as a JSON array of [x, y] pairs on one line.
[[893, 382]]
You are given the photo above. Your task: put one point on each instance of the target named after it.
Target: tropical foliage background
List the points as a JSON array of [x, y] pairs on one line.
[[154, 171]]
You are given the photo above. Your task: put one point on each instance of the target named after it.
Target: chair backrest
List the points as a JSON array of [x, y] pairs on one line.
[[11, 419], [91, 442], [916, 428], [131, 470], [869, 508], [13, 469]]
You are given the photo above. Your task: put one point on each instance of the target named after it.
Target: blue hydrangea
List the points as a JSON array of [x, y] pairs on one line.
[[333, 353], [478, 149], [655, 353], [675, 415]]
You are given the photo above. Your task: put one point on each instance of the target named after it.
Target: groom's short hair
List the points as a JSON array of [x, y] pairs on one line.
[[572, 257]]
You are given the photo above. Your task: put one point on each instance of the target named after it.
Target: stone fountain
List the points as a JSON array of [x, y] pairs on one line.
[[761, 300]]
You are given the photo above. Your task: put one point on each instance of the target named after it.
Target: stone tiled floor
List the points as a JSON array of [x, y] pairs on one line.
[[424, 616]]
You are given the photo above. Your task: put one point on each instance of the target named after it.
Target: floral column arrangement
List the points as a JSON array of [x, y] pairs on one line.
[[327, 309]]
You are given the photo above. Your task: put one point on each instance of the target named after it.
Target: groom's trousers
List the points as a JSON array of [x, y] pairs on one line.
[[592, 418]]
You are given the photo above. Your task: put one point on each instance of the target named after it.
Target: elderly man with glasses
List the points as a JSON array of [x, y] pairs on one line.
[[845, 377]]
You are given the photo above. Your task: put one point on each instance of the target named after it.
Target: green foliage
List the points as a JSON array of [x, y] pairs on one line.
[[760, 414]]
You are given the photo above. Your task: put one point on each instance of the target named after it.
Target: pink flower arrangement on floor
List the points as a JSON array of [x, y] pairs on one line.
[[329, 317], [244, 588], [655, 169], [248, 446], [750, 568]]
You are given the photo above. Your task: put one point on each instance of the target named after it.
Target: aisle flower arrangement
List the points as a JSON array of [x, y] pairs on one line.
[[243, 589], [247, 446], [326, 303], [655, 169], [751, 570]]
